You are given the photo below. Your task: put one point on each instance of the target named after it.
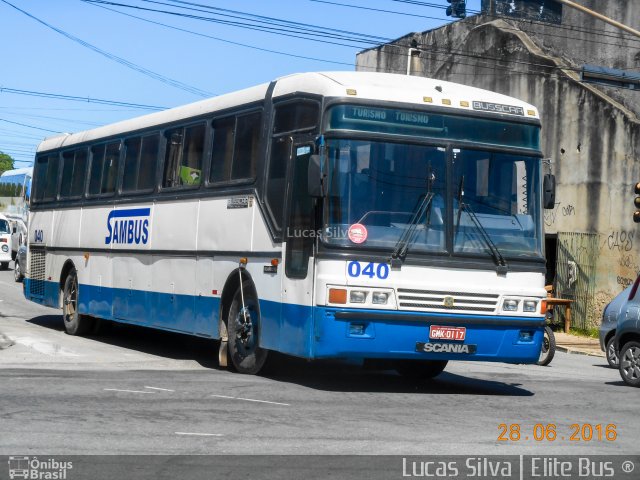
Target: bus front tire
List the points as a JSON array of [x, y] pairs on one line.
[[74, 322], [4, 265], [420, 368], [244, 332]]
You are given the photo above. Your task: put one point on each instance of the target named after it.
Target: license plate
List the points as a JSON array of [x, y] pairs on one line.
[[447, 333]]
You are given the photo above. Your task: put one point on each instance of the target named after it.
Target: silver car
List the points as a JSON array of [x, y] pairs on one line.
[[608, 326], [627, 339], [20, 264]]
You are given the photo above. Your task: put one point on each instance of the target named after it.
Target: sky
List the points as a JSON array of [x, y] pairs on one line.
[[96, 50]]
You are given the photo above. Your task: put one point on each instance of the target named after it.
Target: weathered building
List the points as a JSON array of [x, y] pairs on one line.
[[590, 133]]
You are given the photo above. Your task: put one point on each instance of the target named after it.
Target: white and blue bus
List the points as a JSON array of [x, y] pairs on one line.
[[362, 216], [15, 190]]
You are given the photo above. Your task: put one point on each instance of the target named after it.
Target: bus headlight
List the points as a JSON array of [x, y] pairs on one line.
[[510, 305], [357, 296], [379, 298], [5, 248], [529, 305]]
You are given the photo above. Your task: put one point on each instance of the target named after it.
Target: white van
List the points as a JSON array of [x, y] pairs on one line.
[[5, 242]]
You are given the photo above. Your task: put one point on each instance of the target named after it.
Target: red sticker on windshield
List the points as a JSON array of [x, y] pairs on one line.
[[357, 233]]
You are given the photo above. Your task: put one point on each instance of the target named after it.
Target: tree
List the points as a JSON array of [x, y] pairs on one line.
[[6, 162]]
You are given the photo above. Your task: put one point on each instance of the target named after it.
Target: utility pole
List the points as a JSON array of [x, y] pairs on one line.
[[597, 15]]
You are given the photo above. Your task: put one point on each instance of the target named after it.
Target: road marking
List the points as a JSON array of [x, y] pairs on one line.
[[162, 389], [199, 434], [128, 391], [262, 401], [251, 400], [48, 348]]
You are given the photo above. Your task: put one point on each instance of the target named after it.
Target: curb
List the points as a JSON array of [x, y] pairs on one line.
[[579, 352]]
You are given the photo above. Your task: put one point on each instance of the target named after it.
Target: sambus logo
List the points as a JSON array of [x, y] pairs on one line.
[[128, 226]]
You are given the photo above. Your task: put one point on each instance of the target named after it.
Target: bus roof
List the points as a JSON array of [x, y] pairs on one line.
[[18, 171], [356, 85]]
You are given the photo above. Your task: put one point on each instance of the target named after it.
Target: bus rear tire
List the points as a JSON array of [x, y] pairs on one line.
[[420, 368], [74, 322], [246, 355]]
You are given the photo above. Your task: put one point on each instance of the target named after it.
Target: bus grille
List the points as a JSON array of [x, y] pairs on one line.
[[36, 271], [434, 300]]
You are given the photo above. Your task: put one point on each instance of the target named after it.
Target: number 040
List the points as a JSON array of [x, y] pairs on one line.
[[371, 270]]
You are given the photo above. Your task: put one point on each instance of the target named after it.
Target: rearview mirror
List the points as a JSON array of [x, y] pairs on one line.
[[549, 191], [314, 177]]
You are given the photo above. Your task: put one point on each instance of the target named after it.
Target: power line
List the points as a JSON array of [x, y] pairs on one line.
[[29, 126], [431, 49], [271, 20], [73, 98], [354, 41], [304, 57], [380, 10], [120, 60]]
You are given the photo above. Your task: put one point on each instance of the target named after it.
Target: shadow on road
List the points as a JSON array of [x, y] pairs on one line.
[[159, 343], [338, 376], [321, 375]]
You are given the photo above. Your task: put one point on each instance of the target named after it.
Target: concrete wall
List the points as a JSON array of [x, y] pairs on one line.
[[591, 135]]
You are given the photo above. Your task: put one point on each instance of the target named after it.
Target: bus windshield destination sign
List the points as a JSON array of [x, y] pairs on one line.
[[399, 117]]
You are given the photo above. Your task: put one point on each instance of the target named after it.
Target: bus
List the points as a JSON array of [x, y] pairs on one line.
[[15, 189], [340, 215]]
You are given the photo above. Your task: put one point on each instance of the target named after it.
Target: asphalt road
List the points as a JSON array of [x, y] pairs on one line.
[[137, 391]]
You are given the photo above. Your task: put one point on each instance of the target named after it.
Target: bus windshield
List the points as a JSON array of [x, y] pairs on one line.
[[382, 186]]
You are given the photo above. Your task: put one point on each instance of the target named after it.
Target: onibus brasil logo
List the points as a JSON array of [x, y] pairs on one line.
[[35, 469]]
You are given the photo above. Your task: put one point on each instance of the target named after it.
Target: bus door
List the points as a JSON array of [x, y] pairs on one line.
[[299, 236]]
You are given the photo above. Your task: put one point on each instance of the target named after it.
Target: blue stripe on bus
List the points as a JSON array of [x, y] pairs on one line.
[[300, 330]]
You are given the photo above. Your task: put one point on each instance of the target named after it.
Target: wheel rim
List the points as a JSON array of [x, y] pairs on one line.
[[70, 301], [611, 353], [246, 330], [16, 271], [630, 363]]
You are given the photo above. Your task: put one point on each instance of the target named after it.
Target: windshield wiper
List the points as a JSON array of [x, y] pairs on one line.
[[400, 250], [501, 264]]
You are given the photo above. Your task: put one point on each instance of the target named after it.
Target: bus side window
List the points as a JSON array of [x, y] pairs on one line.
[[247, 140], [104, 168], [74, 169], [299, 241], [132, 153], [140, 163], [235, 148], [296, 116], [95, 179], [51, 180], [40, 174], [183, 160], [276, 184], [222, 152], [148, 161], [79, 173]]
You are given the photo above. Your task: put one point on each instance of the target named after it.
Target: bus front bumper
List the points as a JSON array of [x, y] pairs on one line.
[[351, 333]]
